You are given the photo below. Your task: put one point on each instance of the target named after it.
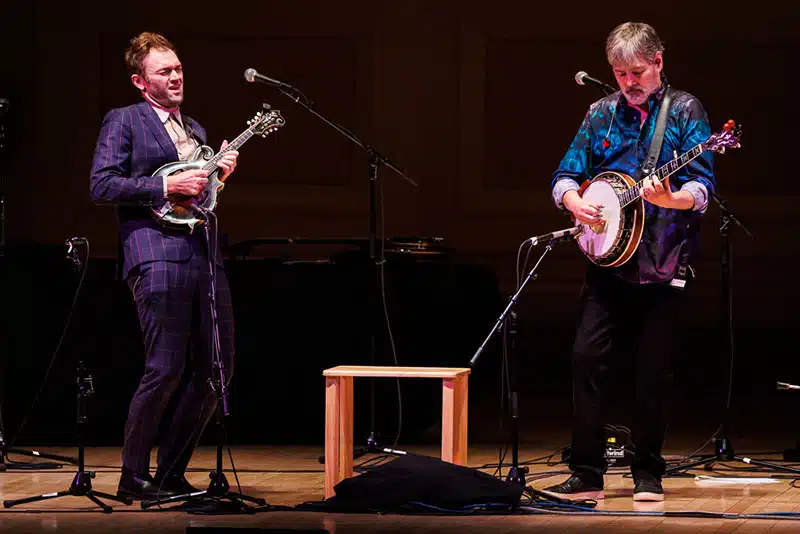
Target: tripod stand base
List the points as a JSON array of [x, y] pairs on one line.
[[723, 449], [6, 463], [81, 487], [723, 452], [217, 499], [792, 455], [707, 464], [516, 475], [371, 447]]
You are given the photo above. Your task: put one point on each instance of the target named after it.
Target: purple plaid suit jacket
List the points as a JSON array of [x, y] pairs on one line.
[[132, 144]]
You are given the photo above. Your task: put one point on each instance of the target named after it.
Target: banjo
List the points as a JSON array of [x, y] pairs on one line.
[[183, 211], [613, 241]]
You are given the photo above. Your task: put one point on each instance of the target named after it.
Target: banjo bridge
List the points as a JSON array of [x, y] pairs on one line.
[[599, 227]]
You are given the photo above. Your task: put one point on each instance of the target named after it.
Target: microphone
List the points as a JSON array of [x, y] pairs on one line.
[[72, 241], [560, 234], [784, 385], [581, 78], [72, 250], [252, 75]]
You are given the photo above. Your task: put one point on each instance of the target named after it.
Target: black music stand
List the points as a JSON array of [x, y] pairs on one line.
[[376, 254], [723, 447]]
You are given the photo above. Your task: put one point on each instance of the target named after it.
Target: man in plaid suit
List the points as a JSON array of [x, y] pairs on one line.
[[167, 270]]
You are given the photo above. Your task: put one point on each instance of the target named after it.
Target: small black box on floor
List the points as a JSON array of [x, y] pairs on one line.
[[619, 447]]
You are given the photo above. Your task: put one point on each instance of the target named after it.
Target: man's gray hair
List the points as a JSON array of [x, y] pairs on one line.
[[632, 40]]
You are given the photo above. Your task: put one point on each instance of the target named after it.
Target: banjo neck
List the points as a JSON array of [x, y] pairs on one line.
[[661, 174], [616, 239]]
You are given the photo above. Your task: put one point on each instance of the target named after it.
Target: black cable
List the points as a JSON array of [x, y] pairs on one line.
[[386, 316], [501, 452], [729, 309], [230, 457], [505, 379], [213, 255]]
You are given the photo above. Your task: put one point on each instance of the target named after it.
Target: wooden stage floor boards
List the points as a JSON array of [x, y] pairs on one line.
[[291, 475]]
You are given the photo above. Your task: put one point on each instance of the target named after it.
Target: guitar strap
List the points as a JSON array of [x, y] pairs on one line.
[[658, 136], [684, 270]]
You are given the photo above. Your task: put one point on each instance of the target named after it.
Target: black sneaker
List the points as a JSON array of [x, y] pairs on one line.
[[575, 489], [648, 488]]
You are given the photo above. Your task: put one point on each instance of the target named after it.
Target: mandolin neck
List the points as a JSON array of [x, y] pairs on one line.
[[211, 164]]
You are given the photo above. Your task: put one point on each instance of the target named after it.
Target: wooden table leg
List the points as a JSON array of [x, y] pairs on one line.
[[454, 420], [333, 388], [346, 428], [338, 431]]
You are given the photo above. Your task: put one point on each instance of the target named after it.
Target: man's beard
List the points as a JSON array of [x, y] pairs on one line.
[[635, 94]]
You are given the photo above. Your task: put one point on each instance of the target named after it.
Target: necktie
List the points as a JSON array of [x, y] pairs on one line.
[[183, 143]]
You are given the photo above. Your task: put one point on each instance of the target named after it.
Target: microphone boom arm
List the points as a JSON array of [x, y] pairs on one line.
[[252, 75], [552, 238]]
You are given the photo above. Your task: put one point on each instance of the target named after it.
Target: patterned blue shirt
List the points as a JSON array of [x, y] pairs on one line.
[[618, 141]]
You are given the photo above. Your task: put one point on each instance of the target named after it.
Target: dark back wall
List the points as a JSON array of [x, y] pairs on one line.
[[474, 100]]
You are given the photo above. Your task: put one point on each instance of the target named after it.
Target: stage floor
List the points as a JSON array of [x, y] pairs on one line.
[[289, 476]]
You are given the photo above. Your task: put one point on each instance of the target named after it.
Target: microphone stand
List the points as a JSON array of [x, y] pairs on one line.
[[723, 447], [218, 488], [790, 455], [82, 481], [376, 254], [516, 474], [608, 90], [5, 462]]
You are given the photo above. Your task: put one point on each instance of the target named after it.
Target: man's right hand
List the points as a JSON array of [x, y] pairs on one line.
[[190, 183], [583, 211]]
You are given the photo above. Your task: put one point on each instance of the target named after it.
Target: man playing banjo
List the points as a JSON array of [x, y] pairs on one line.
[[641, 298]]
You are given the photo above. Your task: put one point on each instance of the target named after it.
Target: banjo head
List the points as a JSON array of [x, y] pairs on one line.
[[604, 243]]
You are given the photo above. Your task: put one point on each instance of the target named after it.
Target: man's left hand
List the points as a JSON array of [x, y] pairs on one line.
[[228, 162], [658, 193]]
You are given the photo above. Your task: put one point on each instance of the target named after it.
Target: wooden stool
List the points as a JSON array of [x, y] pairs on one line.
[[339, 414]]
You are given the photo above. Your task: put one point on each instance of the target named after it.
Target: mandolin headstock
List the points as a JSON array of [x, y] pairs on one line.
[[266, 121]]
